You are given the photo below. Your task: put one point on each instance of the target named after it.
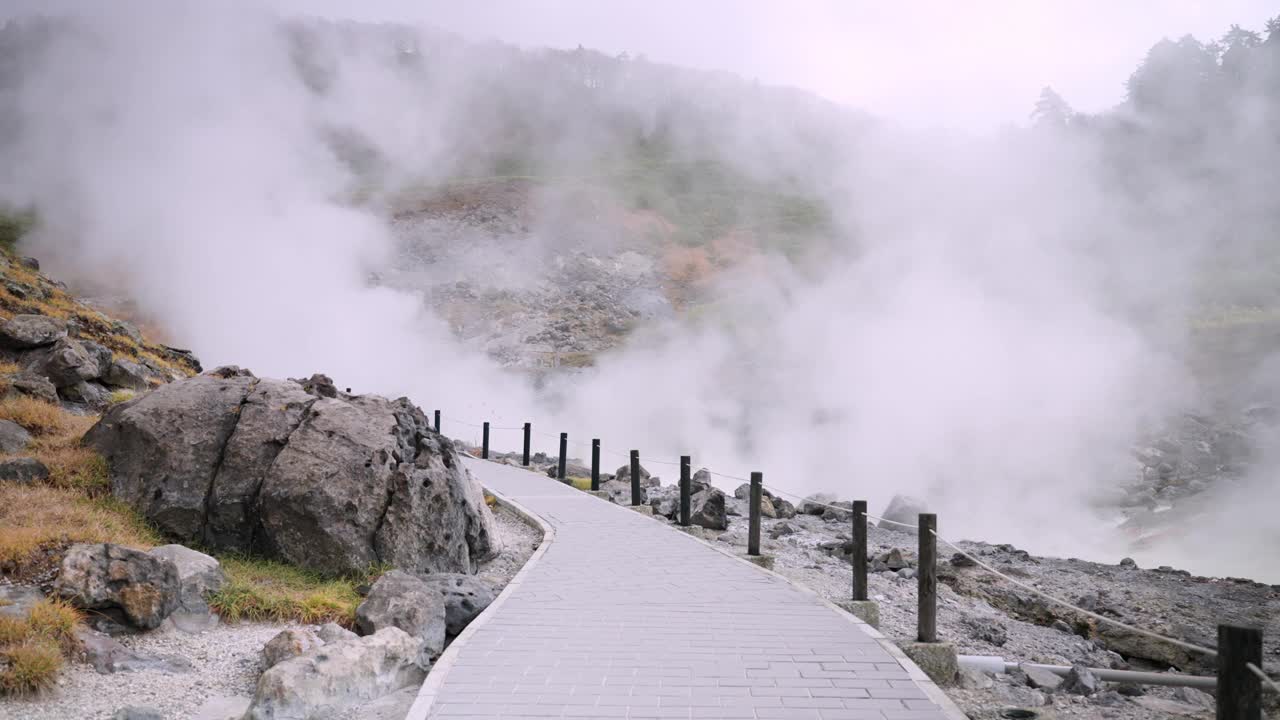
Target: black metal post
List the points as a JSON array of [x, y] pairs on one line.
[[635, 477], [595, 464], [437, 421], [1239, 690], [927, 609], [686, 489], [753, 526], [564, 455], [859, 558], [527, 430], [484, 443]]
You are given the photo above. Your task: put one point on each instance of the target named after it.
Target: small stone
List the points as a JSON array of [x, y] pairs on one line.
[[29, 263], [1041, 679], [13, 437], [893, 559], [1080, 681], [1061, 626], [971, 679], [137, 712], [1128, 563], [23, 470], [333, 632], [907, 573], [1130, 689], [1192, 696], [961, 560], [780, 530]]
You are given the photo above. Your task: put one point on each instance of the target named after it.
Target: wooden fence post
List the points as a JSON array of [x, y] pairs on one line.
[[595, 464], [484, 443], [927, 567], [528, 430], [635, 477], [753, 525], [1239, 690], [564, 453], [686, 487], [859, 550]]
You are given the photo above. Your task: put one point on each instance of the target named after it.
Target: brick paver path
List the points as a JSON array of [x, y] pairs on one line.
[[625, 618]]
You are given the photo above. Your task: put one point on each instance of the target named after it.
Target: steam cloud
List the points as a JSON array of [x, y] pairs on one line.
[[992, 333]]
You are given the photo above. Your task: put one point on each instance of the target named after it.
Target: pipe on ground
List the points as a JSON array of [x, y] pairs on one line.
[[997, 664]]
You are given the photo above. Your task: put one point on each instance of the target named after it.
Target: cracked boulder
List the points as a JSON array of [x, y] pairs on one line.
[[285, 469]]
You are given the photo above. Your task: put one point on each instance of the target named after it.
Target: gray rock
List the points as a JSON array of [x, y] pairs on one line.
[[1080, 681], [137, 712], [333, 632], [783, 508], [707, 510], [400, 600], [93, 394], [29, 263], [782, 529], [743, 492], [620, 492], [17, 600], [140, 588], [986, 630], [894, 560], [465, 597], [69, 362], [700, 480], [971, 679], [198, 576], [1062, 627], [906, 573], [571, 469], [1194, 697], [902, 509], [127, 329], [23, 332], [13, 437], [816, 504], [1128, 563], [330, 484], [223, 707], [23, 470], [126, 373], [623, 475], [347, 673], [108, 656], [37, 386], [839, 511], [1040, 678], [289, 644]]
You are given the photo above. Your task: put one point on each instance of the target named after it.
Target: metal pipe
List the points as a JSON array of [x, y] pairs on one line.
[[997, 664]]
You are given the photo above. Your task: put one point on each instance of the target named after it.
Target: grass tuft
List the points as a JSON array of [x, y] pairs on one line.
[[40, 417], [57, 620], [119, 396], [580, 482], [36, 517], [259, 589], [30, 667]]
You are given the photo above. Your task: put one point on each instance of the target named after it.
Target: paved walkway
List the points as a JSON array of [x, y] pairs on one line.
[[622, 617]]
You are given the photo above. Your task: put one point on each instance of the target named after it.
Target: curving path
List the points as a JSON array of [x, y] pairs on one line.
[[621, 616]]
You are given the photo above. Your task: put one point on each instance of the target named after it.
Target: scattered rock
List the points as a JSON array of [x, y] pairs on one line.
[[971, 679], [893, 559], [37, 386], [1080, 681], [290, 644], [707, 509], [141, 588], [1040, 678], [987, 630], [646, 480], [816, 504], [13, 437], [198, 575], [465, 597], [961, 560], [902, 509], [108, 656], [23, 470], [69, 362], [23, 332], [782, 529], [1168, 708], [137, 712], [17, 600], [92, 394], [620, 492], [128, 374], [29, 263], [1062, 627], [1194, 697], [347, 673], [1128, 563], [784, 509], [223, 708], [838, 511], [400, 600]]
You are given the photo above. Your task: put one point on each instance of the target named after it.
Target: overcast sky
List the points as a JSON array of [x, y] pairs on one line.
[[971, 63], [966, 63]]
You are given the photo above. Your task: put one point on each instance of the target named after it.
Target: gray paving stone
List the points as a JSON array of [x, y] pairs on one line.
[[625, 618]]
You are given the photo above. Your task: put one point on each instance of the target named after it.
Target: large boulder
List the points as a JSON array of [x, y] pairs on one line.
[[23, 332], [707, 509], [128, 374], [400, 600], [334, 484], [289, 644], [646, 480], [142, 589], [902, 510], [35, 385], [465, 597], [344, 674]]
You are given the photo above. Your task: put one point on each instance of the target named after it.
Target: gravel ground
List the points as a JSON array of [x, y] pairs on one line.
[[226, 661], [973, 625]]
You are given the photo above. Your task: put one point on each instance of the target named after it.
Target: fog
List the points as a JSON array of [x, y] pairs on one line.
[[993, 321]]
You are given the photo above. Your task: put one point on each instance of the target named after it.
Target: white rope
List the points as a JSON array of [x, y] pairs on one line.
[[1064, 603], [1271, 684]]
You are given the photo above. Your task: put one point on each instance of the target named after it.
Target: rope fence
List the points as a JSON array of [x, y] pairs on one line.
[[1241, 676]]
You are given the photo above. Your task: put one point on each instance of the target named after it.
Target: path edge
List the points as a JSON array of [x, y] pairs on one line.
[[422, 705]]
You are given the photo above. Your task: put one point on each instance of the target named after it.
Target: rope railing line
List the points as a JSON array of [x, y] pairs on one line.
[[1111, 621], [1266, 680]]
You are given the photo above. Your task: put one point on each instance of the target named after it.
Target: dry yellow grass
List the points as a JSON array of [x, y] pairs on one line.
[[36, 517], [42, 418], [30, 667], [10, 368]]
